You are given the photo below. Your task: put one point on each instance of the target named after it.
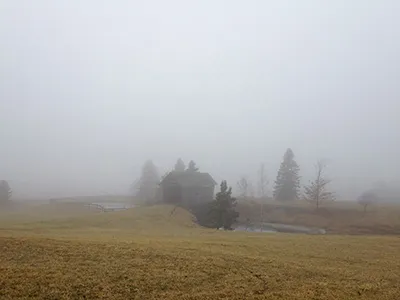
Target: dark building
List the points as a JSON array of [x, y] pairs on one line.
[[187, 188]]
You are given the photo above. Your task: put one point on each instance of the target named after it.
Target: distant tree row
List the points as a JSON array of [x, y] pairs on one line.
[[221, 212], [287, 184], [180, 166]]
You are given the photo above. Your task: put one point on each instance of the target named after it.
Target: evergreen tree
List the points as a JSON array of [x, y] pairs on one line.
[[287, 182], [5, 192], [180, 165], [192, 167], [223, 208], [148, 182]]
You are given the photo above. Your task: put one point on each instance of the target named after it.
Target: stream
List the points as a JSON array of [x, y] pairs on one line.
[[277, 227]]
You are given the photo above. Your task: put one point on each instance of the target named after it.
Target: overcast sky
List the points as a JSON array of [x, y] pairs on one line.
[[91, 89]]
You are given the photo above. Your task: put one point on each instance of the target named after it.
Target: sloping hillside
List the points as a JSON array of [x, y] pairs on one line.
[[145, 219], [88, 264]]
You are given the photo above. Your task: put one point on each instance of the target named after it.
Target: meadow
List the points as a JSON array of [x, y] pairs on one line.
[[339, 217], [158, 252]]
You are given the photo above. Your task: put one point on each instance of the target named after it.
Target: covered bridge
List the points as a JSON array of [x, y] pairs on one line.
[[187, 188]]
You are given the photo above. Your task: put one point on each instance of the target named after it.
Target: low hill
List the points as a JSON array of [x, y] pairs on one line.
[[158, 218]]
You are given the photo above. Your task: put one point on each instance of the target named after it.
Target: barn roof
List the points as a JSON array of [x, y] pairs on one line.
[[188, 179]]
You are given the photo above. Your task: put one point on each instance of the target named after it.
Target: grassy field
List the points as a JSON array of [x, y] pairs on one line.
[[340, 217], [159, 253]]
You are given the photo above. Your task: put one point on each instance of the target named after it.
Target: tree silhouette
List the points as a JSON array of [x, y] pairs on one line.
[[5, 192], [262, 183], [287, 182], [243, 186], [180, 165], [223, 208], [316, 192], [366, 199], [148, 182], [192, 167]]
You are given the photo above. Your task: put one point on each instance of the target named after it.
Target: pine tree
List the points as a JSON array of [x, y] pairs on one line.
[[148, 182], [287, 182], [192, 167], [180, 165], [223, 208]]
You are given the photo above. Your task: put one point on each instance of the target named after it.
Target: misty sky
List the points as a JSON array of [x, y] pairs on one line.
[[91, 89]]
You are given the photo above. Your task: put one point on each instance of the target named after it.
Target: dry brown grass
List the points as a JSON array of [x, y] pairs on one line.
[[337, 217], [126, 255]]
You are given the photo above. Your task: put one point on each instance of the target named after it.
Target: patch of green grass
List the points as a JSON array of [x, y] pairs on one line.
[[152, 253]]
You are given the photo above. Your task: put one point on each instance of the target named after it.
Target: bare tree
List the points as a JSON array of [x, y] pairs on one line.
[[367, 198], [263, 182], [243, 187], [316, 192], [251, 191], [262, 186], [134, 188]]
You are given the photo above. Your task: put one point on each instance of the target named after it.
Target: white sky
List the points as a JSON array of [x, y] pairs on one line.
[[91, 89]]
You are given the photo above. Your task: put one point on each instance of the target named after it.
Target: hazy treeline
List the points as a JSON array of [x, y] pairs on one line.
[[286, 187]]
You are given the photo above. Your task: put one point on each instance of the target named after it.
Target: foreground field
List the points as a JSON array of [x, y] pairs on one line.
[[158, 253]]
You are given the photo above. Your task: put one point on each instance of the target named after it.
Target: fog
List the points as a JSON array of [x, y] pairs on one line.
[[89, 90]]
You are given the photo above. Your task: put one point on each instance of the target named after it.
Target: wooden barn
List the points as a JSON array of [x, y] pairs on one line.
[[187, 188]]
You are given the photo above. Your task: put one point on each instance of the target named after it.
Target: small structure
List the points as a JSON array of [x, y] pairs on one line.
[[187, 188], [63, 200], [106, 207]]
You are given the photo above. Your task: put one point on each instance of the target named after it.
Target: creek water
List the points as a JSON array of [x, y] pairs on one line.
[[279, 227]]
